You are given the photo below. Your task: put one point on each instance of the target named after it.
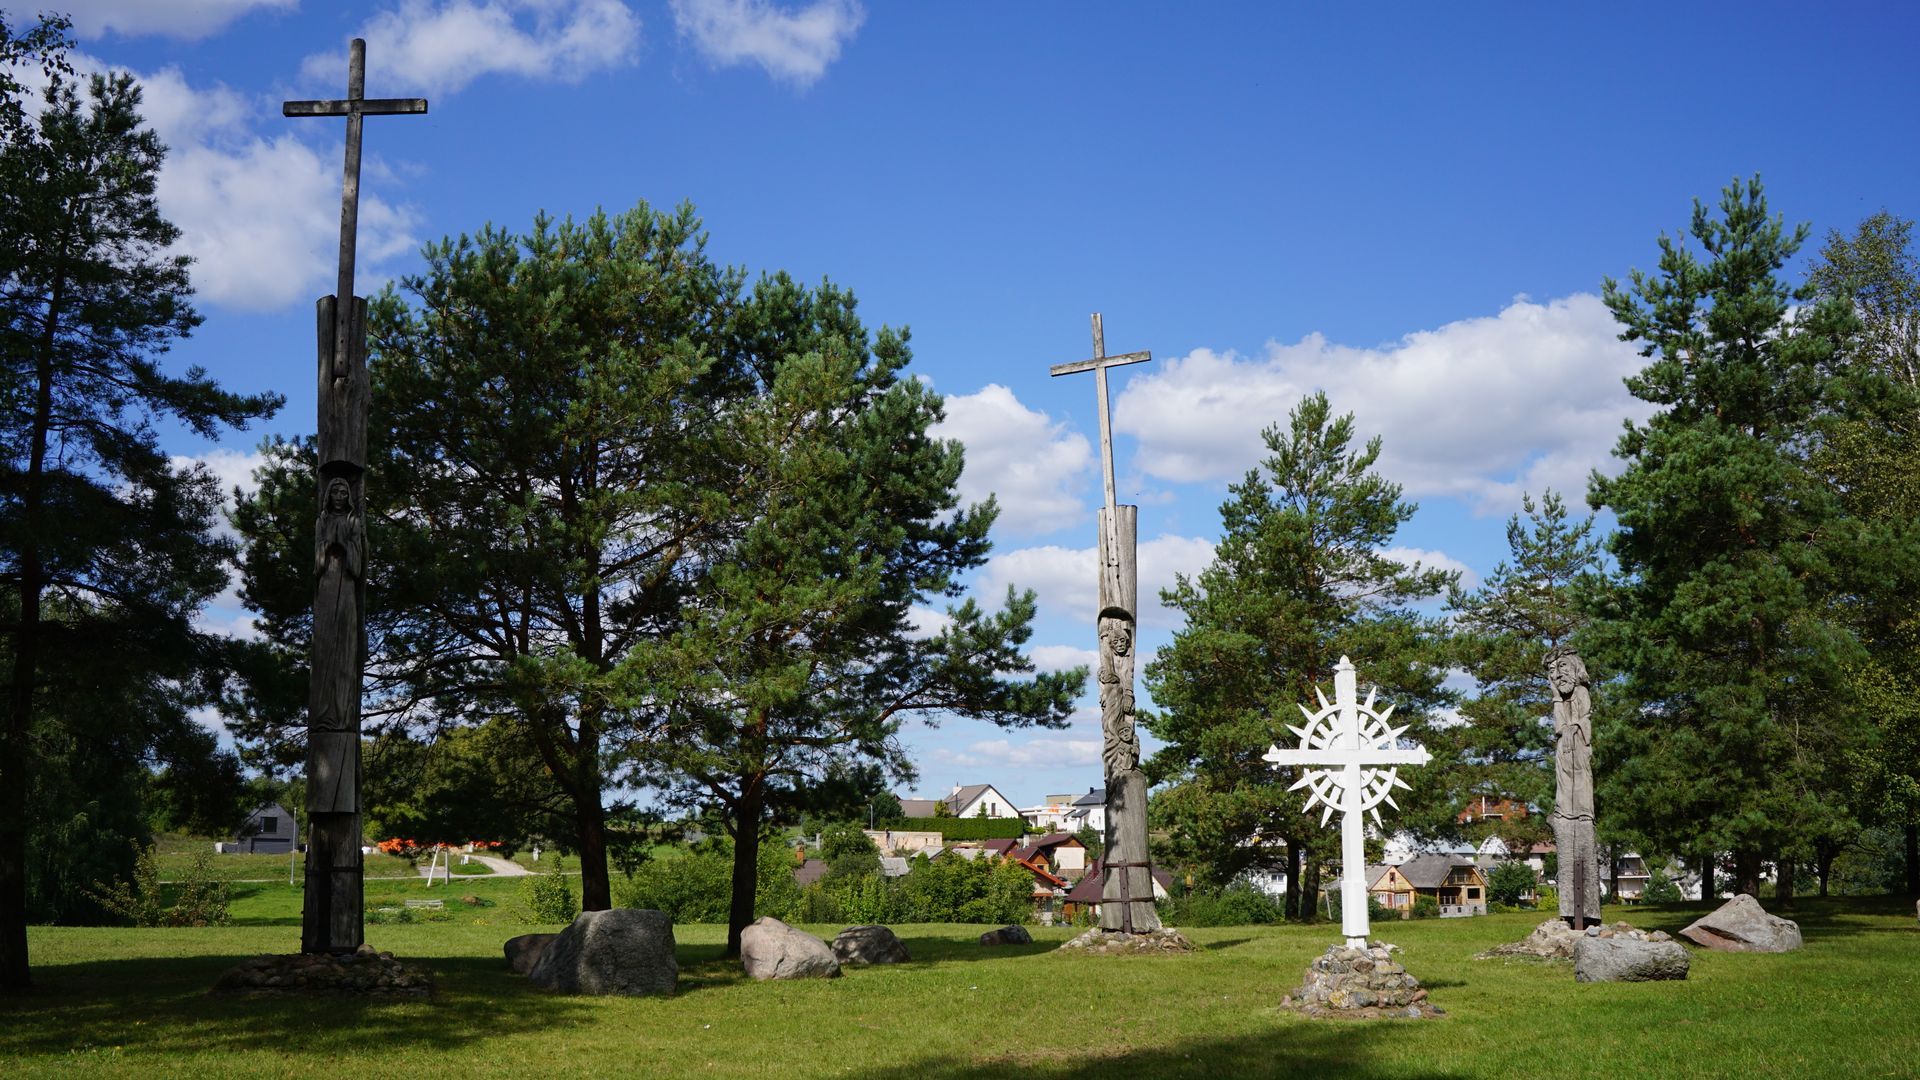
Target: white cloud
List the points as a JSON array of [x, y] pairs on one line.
[[225, 614], [259, 216], [1058, 751], [1062, 657], [1481, 409], [926, 622], [792, 46], [439, 46], [1066, 579], [1434, 560], [185, 19], [1021, 456]]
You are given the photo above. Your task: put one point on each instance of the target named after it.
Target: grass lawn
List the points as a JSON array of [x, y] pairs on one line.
[[134, 1002]]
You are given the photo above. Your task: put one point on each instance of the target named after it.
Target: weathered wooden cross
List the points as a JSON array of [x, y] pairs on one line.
[[1342, 748], [333, 907], [355, 106], [1099, 365]]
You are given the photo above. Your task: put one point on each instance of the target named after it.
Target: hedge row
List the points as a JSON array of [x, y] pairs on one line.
[[972, 828]]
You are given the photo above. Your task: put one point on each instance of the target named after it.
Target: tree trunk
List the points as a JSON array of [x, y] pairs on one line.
[[14, 758], [1706, 877], [596, 889], [1310, 889], [1783, 883], [1293, 881], [1823, 864], [1913, 859], [746, 864], [1746, 872]]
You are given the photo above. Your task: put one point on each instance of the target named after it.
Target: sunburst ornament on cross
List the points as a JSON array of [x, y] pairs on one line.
[[1351, 757]]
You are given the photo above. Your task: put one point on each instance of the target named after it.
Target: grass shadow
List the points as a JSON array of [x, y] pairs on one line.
[[1293, 1047]]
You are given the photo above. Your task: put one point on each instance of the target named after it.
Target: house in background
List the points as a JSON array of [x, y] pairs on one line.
[[1052, 813], [1389, 888], [904, 841], [269, 830], [1089, 812], [965, 800], [1088, 895], [1455, 882], [1060, 854]]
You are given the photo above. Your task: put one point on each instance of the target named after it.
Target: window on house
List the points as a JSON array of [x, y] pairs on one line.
[[1473, 894]]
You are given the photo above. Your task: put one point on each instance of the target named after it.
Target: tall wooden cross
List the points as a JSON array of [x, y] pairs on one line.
[[1099, 365], [333, 908], [355, 106], [1343, 748]]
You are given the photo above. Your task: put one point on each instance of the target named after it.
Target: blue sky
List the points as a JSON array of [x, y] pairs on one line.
[[1411, 207]]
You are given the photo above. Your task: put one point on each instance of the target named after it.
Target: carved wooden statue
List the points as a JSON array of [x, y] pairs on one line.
[[1573, 788], [1127, 900], [332, 918]]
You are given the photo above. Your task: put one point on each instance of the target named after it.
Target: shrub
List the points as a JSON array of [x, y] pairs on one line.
[[842, 839], [1660, 889], [692, 888], [1548, 898], [1510, 883], [548, 898], [1239, 904], [1426, 907], [202, 899]]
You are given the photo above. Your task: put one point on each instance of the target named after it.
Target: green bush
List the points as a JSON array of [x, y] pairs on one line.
[[953, 828], [200, 898], [548, 898], [1548, 899], [1510, 883], [1375, 912], [1660, 889], [1239, 904], [693, 888], [1426, 907]]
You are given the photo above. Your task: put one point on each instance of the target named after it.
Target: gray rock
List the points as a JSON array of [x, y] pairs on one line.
[[1007, 935], [1742, 925], [523, 952], [770, 949], [622, 951], [869, 945], [1623, 959]]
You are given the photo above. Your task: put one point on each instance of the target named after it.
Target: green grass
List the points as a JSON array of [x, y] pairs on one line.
[[134, 1002]]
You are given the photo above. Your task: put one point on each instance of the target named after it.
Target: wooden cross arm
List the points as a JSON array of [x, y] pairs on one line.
[[1331, 758], [1096, 362], [364, 106]]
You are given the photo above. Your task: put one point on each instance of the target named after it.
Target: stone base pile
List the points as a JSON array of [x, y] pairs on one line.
[[1555, 940], [1101, 942], [362, 973], [1361, 984]]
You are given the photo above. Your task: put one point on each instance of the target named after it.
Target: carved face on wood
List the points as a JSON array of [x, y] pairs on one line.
[[1117, 636], [1567, 672], [339, 497]]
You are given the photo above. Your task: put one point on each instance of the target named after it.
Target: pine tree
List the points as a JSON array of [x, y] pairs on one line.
[[107, 548], [797, 658], [1732, 550], [1872, 461], [1300, 577], [1503, 631]]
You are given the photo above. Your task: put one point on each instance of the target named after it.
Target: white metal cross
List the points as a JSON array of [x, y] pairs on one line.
[[1342, 748]]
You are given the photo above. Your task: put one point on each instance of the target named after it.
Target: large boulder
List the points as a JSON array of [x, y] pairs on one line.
[[1742, 925], [523, 952], [770, 949], [622, 951], [1007, 935], [869, 945], [1625, 959]]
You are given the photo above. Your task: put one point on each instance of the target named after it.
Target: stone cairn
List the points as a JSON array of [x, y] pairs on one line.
[[1554, 940], [1100, 941], [362, 972], [1351, 982]]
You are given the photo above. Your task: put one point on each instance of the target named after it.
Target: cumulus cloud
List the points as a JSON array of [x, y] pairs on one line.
[[1030, 463], [1481, 409], [439, 46], [185, 19], [260, 216], [1434, 560], [1063, 657], [1067, 579], [1058, 751], [793, 46], [225, 614]]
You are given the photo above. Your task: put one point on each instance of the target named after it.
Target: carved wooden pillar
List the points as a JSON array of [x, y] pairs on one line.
[[332, 917], [1127, 899]]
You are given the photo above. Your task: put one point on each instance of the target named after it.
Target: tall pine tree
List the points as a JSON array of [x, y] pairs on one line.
[[107, 549], [1300, 578], [1732, 550]]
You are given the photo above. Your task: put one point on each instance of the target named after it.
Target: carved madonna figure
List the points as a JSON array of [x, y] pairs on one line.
[[1120, 743], [1573, 786], [339, 562]]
